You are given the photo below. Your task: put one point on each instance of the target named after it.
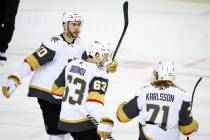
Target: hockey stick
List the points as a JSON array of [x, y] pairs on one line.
[[125, 11], [92, 119], [193, 95], [194, 90]]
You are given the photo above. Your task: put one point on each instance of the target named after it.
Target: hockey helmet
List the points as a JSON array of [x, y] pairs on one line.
[[102, 50], [71, 16], [164, 71]]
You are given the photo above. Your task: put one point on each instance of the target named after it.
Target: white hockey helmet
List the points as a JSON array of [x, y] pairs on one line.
[[71, 16], [101, 49], [164, 71]]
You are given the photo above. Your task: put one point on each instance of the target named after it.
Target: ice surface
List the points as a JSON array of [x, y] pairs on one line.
[[181, 36]]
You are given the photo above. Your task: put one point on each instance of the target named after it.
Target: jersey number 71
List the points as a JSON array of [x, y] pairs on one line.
[[156, 110]]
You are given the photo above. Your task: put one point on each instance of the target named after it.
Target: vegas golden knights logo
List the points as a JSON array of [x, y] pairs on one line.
[[55, 39]]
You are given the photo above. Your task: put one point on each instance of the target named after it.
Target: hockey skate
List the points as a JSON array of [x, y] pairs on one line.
[[3, 58]]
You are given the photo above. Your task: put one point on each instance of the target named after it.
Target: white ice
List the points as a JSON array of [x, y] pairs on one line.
[[164, 30]]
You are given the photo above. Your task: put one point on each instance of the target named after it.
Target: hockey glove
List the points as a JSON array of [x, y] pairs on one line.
[[105, 127], [111, 66], [10, 85], [189, 130]]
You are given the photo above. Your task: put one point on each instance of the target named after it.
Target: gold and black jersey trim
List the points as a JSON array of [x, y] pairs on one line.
[[101, 84], [76, 125], [67, 38], [121, 115], [42, 93], [60, 81], [58, 91], [128, 111], [40, 57], [33, 62], [95, 97]]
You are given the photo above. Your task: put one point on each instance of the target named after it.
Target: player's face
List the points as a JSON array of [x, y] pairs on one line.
[[97, 58], [74, 28], [105, 57]]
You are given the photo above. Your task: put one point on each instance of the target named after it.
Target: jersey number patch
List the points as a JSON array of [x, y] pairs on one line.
[[77, 95], [99, 85], [42, 51], [156, 110]]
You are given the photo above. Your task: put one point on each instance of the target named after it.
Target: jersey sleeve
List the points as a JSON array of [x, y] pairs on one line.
[[59, 84], [187, 125], [42, 55], [96, 95], [128, 111], [97, 90]]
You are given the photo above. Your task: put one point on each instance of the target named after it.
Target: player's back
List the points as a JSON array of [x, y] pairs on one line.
[[159, 115], [79, 76]]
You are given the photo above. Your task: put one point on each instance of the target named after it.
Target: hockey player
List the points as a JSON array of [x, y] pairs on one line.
[[163, 108], [85, 83], [47, 63]]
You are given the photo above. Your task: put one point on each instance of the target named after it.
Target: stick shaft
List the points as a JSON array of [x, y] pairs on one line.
[[125, 11], [188, 138]]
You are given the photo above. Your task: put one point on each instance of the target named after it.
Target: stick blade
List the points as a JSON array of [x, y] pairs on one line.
[[199, 79]]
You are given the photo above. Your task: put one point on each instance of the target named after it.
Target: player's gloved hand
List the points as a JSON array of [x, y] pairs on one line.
[[111, 66], [192, 132], [105, 127], [190, 129], [9, 87], [195, 130]]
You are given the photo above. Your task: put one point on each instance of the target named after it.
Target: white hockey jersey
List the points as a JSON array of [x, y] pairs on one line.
[[85, 83], [160, 112], [48, 62], [161, 107]]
